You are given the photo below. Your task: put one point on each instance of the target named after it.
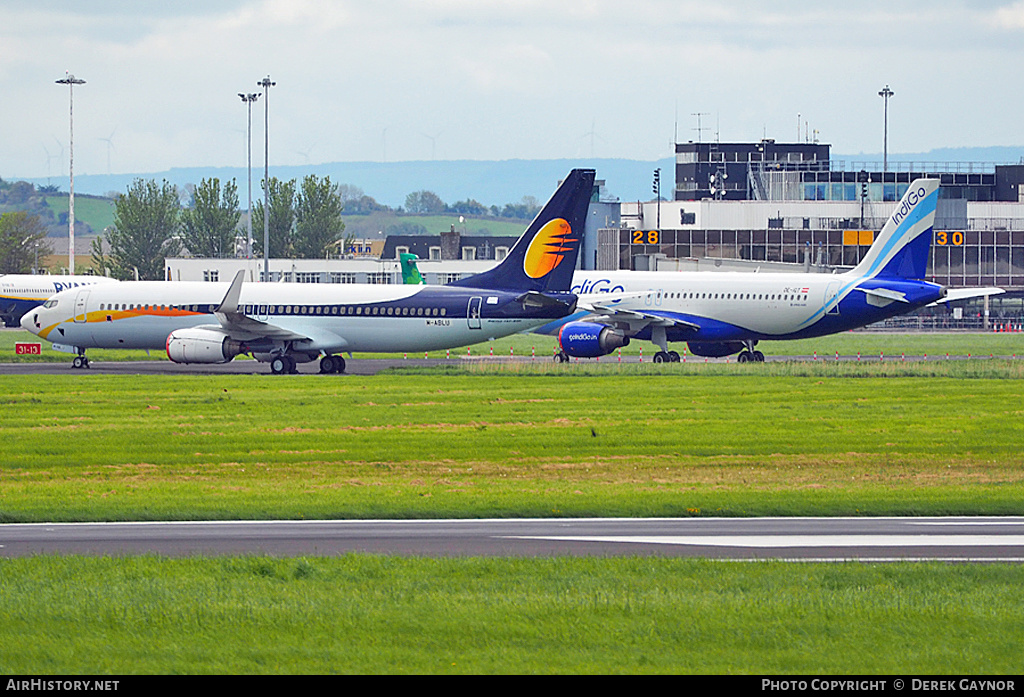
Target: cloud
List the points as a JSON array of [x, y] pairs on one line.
[[496, 79]]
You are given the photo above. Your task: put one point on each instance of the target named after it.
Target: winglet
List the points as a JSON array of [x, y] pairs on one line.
[[229, 305]]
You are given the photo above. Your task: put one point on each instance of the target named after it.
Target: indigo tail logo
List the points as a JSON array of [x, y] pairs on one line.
[[548, 248]]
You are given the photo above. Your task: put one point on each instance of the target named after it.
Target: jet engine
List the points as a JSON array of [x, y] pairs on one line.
[[590, 340], [198, 345]]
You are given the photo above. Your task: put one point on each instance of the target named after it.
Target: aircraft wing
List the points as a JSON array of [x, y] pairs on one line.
[[636, 319], [237, 324]]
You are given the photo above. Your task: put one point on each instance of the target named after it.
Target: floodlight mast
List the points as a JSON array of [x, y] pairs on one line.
[[249, 98], [885, 93], [70, 80], [266, 84]]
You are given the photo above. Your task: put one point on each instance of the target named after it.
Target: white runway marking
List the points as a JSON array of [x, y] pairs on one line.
[[777, 541]]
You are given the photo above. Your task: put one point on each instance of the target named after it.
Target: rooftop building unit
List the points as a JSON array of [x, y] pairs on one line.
[[770, 171]]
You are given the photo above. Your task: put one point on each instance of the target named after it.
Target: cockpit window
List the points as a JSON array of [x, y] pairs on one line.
[[50, 303]]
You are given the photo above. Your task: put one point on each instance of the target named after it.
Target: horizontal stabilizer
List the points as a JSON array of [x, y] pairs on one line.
[[967, 293], [534, 299]]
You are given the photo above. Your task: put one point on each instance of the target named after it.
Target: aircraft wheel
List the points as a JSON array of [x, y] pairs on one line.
[[77, 362], [758, 357], [673, 356], [279, 365], [744, 357], [327, 364], [291, 365], [561, 357], [339, 364], [660, 357]]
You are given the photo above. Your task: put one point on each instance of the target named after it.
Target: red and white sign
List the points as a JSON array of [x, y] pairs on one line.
[[25, 349]]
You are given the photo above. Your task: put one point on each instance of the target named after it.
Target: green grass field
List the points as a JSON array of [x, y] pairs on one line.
[[518, 441], [371, 614], [487, 438]]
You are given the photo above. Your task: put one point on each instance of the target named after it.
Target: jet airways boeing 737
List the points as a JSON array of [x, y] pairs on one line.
[[285, 324], [719, 314], [19, 293]]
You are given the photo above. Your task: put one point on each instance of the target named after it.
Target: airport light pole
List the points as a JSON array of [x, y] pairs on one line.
[[656, 188], [885, 93], [249, 98], [70, 80], [266, 84]]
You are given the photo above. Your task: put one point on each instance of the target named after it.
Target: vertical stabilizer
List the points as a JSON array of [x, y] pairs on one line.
[[544, 258], [410, 272], [902, 247]]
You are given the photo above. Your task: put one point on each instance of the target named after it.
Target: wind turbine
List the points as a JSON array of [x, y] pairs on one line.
[[49, 158], [592, 134], [433, 143], [61, 156], [109, 140], [305, 153]]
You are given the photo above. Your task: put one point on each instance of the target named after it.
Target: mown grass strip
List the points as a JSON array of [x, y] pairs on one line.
[[91, 447], [371, 614]]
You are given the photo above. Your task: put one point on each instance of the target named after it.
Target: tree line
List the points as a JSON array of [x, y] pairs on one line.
[[426, 202], [150, 224]]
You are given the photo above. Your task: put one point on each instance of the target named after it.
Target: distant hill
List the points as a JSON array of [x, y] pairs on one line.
[[489, 182], [1001, 155]]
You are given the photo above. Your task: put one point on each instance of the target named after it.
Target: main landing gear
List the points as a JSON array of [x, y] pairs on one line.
[[666, 357], [749, 355], [284, 364], [281, 365], [332, 364]]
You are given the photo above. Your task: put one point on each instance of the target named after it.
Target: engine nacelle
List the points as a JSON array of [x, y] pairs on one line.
[[715, 349], [590, 340], [197, 345]]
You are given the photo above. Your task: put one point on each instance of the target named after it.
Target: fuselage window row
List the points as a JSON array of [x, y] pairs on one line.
[[390, 310], [693, 295]]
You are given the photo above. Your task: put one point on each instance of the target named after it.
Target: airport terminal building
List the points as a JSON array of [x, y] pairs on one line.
[[768, 202]]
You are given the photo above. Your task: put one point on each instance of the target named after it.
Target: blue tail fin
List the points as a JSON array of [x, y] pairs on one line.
[[902, 247], [544, 258]]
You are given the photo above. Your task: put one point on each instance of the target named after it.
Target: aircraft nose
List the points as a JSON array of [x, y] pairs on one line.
[[28, 321]]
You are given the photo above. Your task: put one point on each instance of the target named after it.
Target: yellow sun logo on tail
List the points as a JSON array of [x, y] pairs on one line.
[[548, 248]]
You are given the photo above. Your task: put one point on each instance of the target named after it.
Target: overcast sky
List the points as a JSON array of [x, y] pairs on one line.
[[479, 79]]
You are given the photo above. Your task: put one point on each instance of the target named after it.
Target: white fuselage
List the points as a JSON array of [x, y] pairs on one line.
[[333, 318], [774, 304], [745, 306]]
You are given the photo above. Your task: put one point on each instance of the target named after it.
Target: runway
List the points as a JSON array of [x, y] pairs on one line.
[[372, 366], [958, 539]]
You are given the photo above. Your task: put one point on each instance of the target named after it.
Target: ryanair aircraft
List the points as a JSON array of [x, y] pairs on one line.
[[285, 324]]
